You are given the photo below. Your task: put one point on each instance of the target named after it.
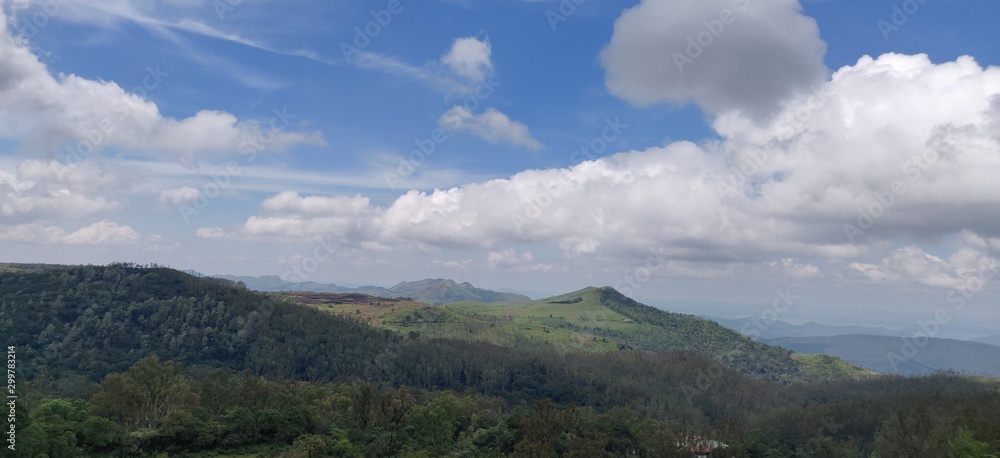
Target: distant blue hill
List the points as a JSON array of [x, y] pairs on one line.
[[889, 354]]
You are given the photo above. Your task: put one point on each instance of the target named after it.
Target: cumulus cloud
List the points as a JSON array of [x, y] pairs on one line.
[[911, 264], [469, 57], [77, 116], [508, 257], [720, 54], [511, 259], [466, 67], [895, 147], [46, 190], [492, 126], [103, 232]]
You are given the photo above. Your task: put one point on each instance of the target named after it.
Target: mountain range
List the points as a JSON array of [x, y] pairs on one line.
[[758, 328]]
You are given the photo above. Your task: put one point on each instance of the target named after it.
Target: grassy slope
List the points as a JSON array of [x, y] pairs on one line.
[[594, 319]]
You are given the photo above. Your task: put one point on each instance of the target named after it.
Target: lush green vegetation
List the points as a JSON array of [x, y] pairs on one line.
[[592, 319], [241, 373]]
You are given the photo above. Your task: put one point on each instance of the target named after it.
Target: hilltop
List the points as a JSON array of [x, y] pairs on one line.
[[591, 319]]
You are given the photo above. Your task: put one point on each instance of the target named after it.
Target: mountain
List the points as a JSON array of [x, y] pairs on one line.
[[991, 340], [889, 354], [432, 291], [756, 328], [591, 319]]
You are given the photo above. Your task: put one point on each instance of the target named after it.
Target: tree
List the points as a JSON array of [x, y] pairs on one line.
[[965, 446], [143, 396]]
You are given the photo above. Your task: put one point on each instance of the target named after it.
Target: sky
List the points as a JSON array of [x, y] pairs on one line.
[[816, 159]]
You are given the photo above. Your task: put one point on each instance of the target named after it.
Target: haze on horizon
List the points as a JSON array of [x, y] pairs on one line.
[[698, 156]]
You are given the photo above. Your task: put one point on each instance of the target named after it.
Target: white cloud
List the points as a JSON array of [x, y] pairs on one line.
[[464, 68], [470, 58], [792, 268], [211, 233], [721, 54], [69, 113], [911, 264], [763, 193], [492, 126], [48, 190], [508, 257], [292, 203], [104, 233]]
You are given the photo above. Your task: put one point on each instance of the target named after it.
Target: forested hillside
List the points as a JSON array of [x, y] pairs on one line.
[[592, 319], [240, 372]]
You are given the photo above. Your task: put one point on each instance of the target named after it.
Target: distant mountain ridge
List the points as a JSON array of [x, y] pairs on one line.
[[893, 355], [755, 328], [434, 291]]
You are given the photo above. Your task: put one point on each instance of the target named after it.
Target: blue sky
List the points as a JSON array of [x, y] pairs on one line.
[[569, 152]]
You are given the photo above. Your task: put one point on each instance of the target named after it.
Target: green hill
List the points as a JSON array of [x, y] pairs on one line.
[[596, 319]]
